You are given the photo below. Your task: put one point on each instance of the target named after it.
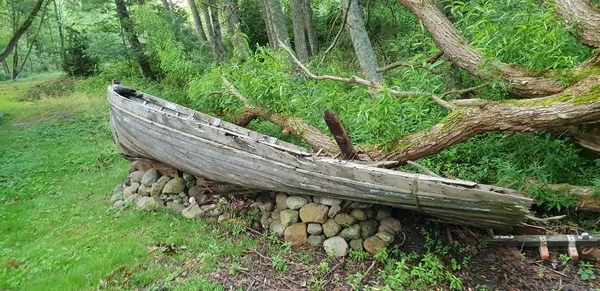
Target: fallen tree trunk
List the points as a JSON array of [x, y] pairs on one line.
[[579, 104], [585, 197]]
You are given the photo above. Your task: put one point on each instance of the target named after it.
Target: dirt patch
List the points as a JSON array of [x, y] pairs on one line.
[[49, 89]]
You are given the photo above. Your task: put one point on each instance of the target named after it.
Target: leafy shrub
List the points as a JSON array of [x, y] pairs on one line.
[[518, 31], [77, 62]]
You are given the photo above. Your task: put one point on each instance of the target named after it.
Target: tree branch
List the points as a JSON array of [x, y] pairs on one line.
[[429, 61], [522, 81], [582, 18], [369, 84], [576, 105], [310, 134], [21, 30], [337, 36]]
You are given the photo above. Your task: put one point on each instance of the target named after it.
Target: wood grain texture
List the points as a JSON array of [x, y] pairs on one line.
[[193, 142]]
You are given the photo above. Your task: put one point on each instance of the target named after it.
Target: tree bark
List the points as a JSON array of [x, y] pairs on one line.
[[586, 135], [233, 28], [523, 82], [214, 15], [311, 32], [197, 20], [21, 30], [576, 105], [209, 28], [275, 15], [583, 18], [136, 46], [360, 41], [268, 24], [61, 34], [15, 62], [300, 45]]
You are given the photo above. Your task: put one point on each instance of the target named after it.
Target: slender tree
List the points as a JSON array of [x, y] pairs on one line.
[[216, 25], [311, 32], [197, 20], [130, 34], [360, 40], [232, 21], [298, 24]]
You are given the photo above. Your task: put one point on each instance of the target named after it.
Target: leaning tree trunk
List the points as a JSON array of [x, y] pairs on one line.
[[584, 17], [217, 39], [360, 41], [197, 20], [311, 32], [136, 46], [21, 30], [297, 11], [233, 28], [523, 82]]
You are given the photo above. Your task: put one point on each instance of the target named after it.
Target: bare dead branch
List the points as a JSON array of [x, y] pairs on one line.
[[432, 59], [423, 168], [466, 90], [369, 84], [235, 92], [337, 36], [310, 134]]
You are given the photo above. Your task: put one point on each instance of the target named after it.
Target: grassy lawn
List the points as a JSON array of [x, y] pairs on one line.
[[58, 166], [58, 231]]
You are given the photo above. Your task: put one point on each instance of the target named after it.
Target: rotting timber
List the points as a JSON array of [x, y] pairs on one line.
[[144, 126]]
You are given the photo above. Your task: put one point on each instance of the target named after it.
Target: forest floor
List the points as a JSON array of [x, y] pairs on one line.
[[58, 231]]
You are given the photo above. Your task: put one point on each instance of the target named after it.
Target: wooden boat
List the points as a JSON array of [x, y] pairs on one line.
[[146, 126]]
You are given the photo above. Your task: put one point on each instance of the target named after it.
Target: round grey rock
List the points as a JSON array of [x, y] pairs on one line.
[[368, 228], [136, 176], [288, 217], [350, 233], [277, 227], [149, 177], [316, 240], [146, 204], [335, 247], [314, 228], [386, 237], [344, 219], [295, 202], [358, 214], [330, 228], [174, 186], [390, 224], [330, 201], [334, 210], [280, 201], [356, 244], [158, 187]]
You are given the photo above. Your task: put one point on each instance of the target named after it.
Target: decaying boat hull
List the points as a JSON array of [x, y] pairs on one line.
[[152, 128]]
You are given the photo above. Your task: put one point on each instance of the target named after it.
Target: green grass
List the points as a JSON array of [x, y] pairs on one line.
[[57, 229]]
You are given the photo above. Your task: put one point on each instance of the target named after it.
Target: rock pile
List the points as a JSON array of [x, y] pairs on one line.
[[300, 219], [335, 224]]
